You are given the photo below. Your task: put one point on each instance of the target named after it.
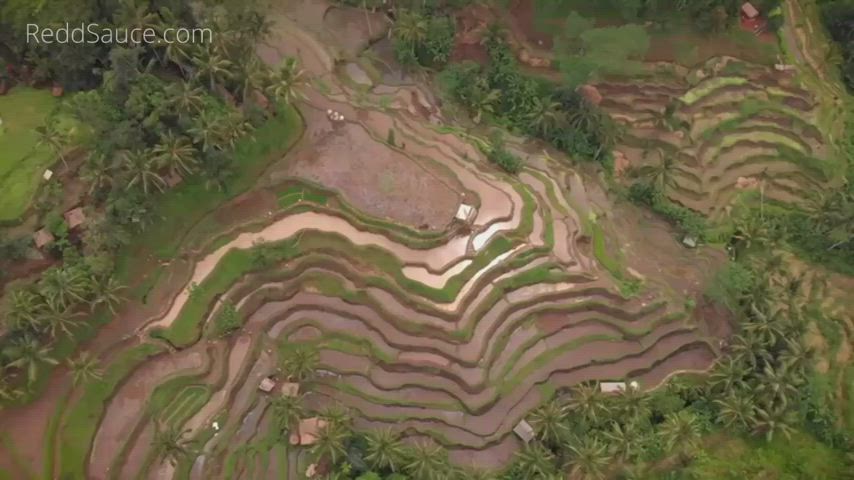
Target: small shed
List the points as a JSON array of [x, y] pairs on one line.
[[42, 238], [612, 387], [524, 431], [689, 241], [465, 213], [48, 174], [267, 385], [748, 11], [75, 217], [308, 431], [290, 389]]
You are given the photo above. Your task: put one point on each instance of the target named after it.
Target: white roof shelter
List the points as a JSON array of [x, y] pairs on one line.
[[267, 385], [612, 387], [524, 431], [465, 213]]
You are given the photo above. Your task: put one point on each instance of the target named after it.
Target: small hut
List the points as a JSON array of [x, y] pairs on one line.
[[75, 218], [748, 11], [43, 238], [267, 385], [612, 387], [524, 431], [465, 213]]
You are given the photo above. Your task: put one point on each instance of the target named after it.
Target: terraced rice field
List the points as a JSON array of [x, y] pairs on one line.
[[449, 332], [729, 123]]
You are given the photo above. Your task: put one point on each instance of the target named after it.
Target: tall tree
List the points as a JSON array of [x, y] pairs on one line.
[[27, 354], [176, 153], [140, 168], [84, 368], [171, 444], [549, 422], [384, 450], [427, 462], [590, 459]]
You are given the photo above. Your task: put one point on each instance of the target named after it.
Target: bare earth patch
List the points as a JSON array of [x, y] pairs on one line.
[[375, 178]]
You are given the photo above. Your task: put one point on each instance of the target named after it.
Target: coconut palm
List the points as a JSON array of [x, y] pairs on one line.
[[213, 67], [736, 410], [795, 357], [286, 83], [633, 402], [59, 317], [623, 439], [176, 153], [105, 292], [764, 325], [299, 362], [546, 116], [410, 28], [252, 76], [427, 462], [771, 422], [549, 422], [96, 173], [207, 130], [662, 174], [481, 100], [331, 443], [134, 14], [335, 413], [84, 368], [534, 461], [140, 167], [64, 285], [185, 98], [179, 53], [587, 399], [287, 411], [234, 127], [24, 310], [384, 450], [50, 137], [589, 460], [776, 385], [170, 444], [681, 432], [728, 374], [749, 347], [28, 355]]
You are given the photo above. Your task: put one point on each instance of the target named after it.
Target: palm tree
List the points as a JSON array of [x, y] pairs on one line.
[[661, 175], [178, 53], [96, 172], [750, 348], [285, 84], [49, 136], [84, 368], [58, 316], [410, 28], [623, 439], [140, 166], [207, 130], [795, 357], [549, 422], [681, 432], [764, 325], [64, 285], [728, 374], [177, 153], [299, 362], [252, 77], [28, 354], [213, 67], [587, 400], [187, 99], [534, 461], [171, 444], [384, 450], [335, 413], [427, 462], [773, 421], [546, 116], [633, 402], [589, 459], [24, 310], [135, 15], [481, 100], [331, 443], [736, 410], [287, 411], [777, 385], [106, 292], [234, 127]]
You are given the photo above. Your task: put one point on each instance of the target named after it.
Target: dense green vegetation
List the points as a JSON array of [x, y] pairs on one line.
[[838, 17], [175, 119]]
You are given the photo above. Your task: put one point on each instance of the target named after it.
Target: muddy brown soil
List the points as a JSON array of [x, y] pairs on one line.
[[374, 177]]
